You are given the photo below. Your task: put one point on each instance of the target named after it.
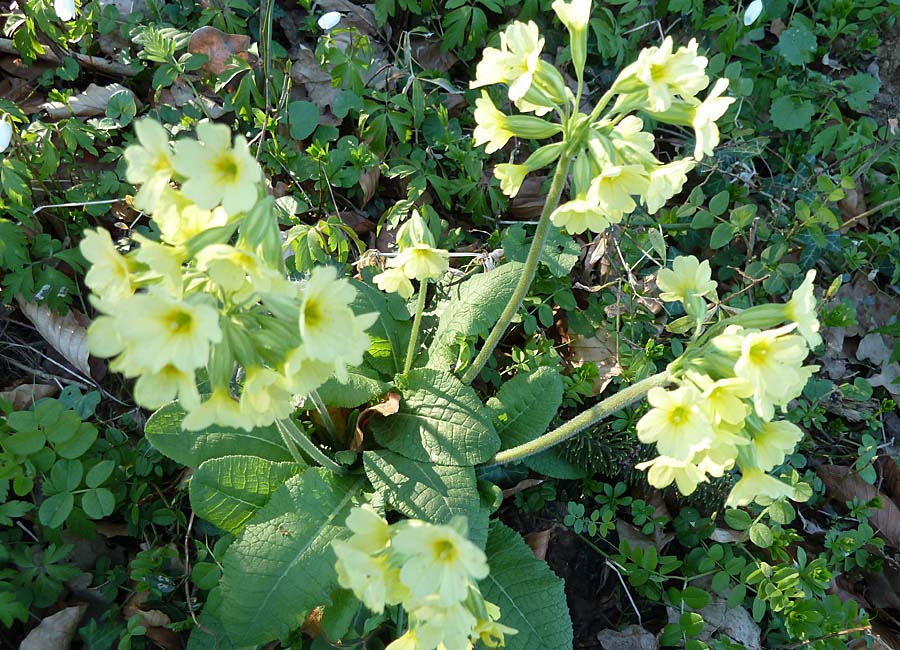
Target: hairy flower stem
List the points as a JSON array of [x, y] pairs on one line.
[[531, 262], [288, 429], [323, 413], [417, 322], [583, 420]]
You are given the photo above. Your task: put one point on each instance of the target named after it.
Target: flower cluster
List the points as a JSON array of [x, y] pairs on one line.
[[615, 167], [417, 259], [721, 413], [209, 295], [431, 570]]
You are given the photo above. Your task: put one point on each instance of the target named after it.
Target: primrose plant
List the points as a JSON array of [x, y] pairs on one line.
[[379, 524]]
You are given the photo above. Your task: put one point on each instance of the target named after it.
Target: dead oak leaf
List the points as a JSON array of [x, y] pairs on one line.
[[843, 484]]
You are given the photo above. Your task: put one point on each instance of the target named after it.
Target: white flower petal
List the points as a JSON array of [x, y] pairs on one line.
[[330, 20], [754, 9], [5, 134], [65, 9]]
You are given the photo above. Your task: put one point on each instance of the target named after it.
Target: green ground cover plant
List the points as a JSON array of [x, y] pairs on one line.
[[375, 293]]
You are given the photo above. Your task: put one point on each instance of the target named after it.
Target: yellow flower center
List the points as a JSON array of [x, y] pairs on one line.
[[679, 415], [179, 322], [759, 353], [657, 73], [161, 164], [226, 168], [445, 550], [312, 313]]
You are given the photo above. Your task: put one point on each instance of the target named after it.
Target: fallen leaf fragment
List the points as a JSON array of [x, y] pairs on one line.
[[633, 637], [601, 350], [56, 631], [218, 47], [67, 334], [389, 406], [843, 485], [539, 542], [91, 102], [21, 397], [521, 486]]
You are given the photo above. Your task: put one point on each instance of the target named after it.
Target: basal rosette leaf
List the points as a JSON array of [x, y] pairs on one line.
[[474, 306], [228, 491], [282, 566], [434, 493], [530, 596], [192, 448], [359, 388], [525, 405], [390, 332], [441, 420]]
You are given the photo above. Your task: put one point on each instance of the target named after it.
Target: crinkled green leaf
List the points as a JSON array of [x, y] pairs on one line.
[[228, 491], [441, 420], [797, 44], [525, 405], [530, 596], [282, 566], [434, 493], [191, 448], [559, 253], [357, 390], [473, 308], [390, 333]]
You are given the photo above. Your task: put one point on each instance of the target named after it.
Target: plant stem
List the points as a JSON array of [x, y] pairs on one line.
[[287, 428], [323, 413], [417, 322], [528, 272], [582, 421]]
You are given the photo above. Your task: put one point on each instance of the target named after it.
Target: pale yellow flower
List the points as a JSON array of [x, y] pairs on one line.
[[161, 331], [802, 310], [371, 533], [665, 182], [304, 374], [439, 561], [663, 471], [367, 576], [633, 145], [265, 397], [515, 63], [725, 398], [678, 423], [665, 73], [326, 320], [110, 274], [409, 641], [511, 177], [163, 260], [575, 15], [422, 262], [155, 389], [580, 214], [179, 219], [221, 409], [614, 187], [149, 163], [414, 231], [770, 361], [688, 274], [755, 483], [394, 281], [491, 125], [103, 337], [773, 441], [446, 627], [491, 633], [216, 172], [705, 115]]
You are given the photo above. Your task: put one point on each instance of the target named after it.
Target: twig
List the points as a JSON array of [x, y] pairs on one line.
[[612, 565], [809, 642], [100, 65]]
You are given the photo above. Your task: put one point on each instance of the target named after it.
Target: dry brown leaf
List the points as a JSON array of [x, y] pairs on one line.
[[632, 637], [877, 348], [389, 406], [55, 632], [601, 350], [539, 542], [842, 484], [67, 334], [777, 26], [91, 102], [890, 477], [21, 397], [632, 535], [882, 587], [529, 202], [428, 52], [354, 14], [180, 94], [368, 182], [520, 486], [219, 47], [314, 83], [735, 623]]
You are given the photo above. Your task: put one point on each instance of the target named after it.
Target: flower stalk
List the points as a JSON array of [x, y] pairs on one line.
[[417, 323], [582, 421], [288, 429], [528, 272]]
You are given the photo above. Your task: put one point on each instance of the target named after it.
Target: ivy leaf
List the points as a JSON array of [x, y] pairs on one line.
[[525, 406], [228, 491], [191, 448], [559, 253], [530, 596], [282, 566], [474, 306], [441, 420], [434, 493], [790, 114], [797, 44]]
